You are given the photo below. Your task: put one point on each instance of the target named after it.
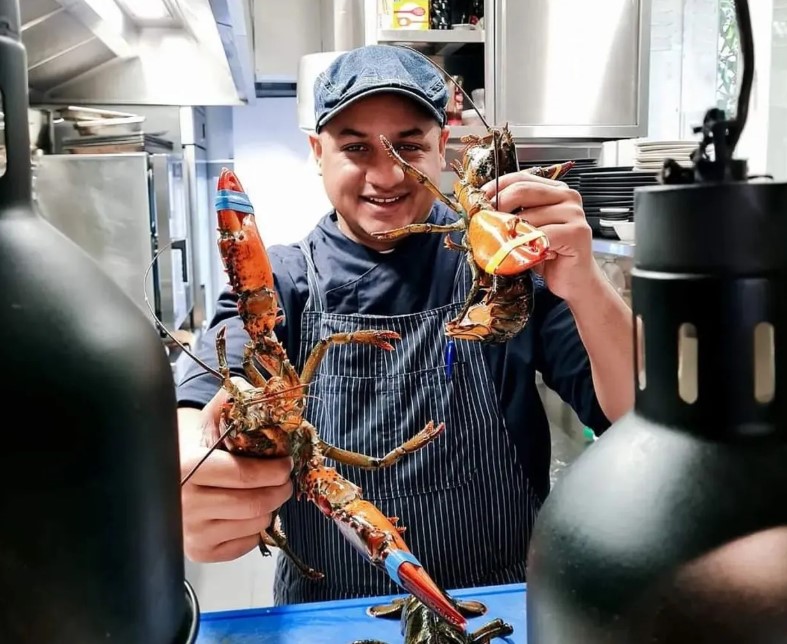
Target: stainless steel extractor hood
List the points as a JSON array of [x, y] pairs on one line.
[[127, 52]]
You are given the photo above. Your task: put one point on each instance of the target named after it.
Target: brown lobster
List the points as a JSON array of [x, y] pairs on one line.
[[501, 248], [419, 625], [264, 418]]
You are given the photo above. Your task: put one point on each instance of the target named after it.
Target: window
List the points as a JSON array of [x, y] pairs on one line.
[[727, 72], [694, 64]]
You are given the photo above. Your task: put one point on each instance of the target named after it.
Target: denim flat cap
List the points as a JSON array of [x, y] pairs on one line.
[[375, 69]]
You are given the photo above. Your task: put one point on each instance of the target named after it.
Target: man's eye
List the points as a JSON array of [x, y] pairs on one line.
[[354, 148], [407, 148]]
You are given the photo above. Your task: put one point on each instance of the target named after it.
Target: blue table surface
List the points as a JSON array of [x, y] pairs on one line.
[[344, 621]]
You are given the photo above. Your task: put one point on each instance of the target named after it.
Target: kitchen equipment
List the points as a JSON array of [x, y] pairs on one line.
[[440, 14], [125, 125], [672, 527], [77, 113], [120, 209], [568, 69], [650, 155], [91, 546], [113, 143], [309, 68], [623, 229]]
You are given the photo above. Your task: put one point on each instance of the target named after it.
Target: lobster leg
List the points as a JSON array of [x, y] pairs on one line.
[[276, 534], [354, 459], [450, 244], [396, 233], [554, 172], [496, 628], [418, 175], [377, 338], [254, 375], [392, 609], [224, 370], [474, 288]]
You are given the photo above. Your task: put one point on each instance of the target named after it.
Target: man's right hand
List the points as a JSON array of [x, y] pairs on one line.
[[228, 501]]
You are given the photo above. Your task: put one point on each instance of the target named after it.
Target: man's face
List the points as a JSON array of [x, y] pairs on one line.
[[370, 192]]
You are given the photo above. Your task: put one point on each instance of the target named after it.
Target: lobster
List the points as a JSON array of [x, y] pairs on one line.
[[265, 416], [500, 248], [419, 625]]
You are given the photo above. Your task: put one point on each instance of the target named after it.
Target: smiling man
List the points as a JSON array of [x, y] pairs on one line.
[[468, 500]]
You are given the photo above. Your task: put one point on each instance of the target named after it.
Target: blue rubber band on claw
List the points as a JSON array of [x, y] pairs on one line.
[[233, 200], [394, 561]]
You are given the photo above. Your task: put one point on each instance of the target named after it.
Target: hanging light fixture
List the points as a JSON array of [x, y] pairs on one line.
[[672, 527]]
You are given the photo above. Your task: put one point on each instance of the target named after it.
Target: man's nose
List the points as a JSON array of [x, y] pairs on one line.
[[384, 172]]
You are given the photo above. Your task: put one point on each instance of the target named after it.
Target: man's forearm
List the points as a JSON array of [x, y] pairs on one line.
[[605, 324]]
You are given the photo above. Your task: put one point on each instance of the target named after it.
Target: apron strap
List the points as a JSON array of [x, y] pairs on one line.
[[315, 301]]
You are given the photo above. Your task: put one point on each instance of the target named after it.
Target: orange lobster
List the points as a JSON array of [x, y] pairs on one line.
[[266, 420], [501, 248]]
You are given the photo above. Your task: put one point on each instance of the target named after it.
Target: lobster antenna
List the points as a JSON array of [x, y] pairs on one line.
[[457, 85], [205, 456], [161, 326], [495, 141]]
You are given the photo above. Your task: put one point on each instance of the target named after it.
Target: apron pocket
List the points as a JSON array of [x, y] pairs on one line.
[[375, 415]]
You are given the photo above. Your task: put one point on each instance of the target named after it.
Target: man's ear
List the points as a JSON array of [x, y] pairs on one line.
[[316, 146], [443, 142]]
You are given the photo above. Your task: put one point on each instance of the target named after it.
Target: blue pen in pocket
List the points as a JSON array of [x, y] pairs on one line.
[[450, 358]]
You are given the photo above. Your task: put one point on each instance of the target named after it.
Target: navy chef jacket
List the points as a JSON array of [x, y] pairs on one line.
[[418, 275]]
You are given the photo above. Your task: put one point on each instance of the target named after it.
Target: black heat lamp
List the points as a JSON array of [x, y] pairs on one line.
[[672, 527], [91, 546]]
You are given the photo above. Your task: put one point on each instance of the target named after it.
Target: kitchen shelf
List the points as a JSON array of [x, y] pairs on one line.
[[458, 131], [439, 42], [613, 247]]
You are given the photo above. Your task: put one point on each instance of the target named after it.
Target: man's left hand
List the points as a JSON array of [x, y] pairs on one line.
[[556, 210]]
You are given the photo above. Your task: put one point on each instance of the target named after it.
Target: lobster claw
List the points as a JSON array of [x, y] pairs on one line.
[[408, 573], [243, 254], [380, 542]]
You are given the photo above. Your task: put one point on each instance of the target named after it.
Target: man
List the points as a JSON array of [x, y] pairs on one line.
[[469, 499]]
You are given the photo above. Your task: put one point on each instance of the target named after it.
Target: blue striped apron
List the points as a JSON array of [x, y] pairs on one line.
[[464, 499]]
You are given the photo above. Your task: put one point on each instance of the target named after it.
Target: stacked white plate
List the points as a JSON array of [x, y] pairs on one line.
[[650, 155]]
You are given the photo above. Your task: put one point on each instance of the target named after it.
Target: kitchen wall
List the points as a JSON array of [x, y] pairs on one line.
[[272, 160]]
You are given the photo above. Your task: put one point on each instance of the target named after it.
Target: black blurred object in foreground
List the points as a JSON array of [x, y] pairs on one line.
[[91, 543], [672, 527]]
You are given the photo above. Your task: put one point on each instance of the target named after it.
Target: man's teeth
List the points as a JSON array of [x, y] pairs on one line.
[[389, 200]]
